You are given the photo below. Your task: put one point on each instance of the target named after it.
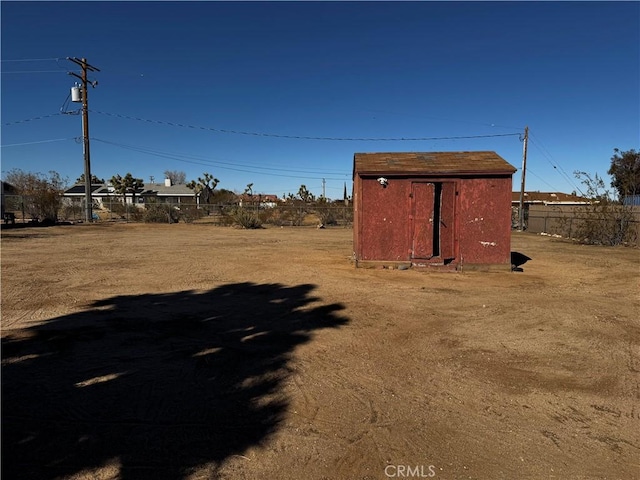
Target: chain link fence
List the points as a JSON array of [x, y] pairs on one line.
[[113, 209], [620, 223]]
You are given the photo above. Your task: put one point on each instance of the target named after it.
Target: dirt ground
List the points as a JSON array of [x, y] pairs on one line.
[[136, 351]]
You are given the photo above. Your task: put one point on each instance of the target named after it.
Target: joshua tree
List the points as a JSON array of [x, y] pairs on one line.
[[126, 184], [204, 187]]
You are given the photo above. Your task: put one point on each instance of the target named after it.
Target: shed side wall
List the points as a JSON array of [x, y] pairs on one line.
[[484, 220]]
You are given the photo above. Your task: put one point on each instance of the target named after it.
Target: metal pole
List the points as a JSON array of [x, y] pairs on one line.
[[524, 171]]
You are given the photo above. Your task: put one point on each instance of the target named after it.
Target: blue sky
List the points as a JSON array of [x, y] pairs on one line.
[[339, 70]]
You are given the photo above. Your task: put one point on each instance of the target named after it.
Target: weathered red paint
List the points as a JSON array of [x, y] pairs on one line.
[[384, 233], [423, 196], [429, 219], [485, 221]]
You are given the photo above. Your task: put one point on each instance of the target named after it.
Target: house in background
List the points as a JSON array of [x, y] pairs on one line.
[[261, 200], [104, 194], [445, 209], [541, 205], [99, 192], [8, 208], [548, 198], [167, 193], [631, 200]]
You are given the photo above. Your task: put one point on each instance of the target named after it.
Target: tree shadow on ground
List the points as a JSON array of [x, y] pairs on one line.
[[157, 384]]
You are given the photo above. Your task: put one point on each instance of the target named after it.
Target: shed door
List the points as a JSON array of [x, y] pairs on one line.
[[423, 202], [433, 225]]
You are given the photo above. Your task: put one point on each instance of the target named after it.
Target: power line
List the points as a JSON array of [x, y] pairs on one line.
[[31, 59], [34, 143], [31, 119], [446, 119], [34, 71], [555, 189], [234, 164], [57, 60], [197, 161], [301, 137], [556, 166]]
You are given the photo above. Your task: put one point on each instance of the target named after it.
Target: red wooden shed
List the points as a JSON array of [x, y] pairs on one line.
[[447, 209]]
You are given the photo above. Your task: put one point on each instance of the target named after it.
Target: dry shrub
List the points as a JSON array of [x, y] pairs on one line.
[[246, 218], [606, 221]]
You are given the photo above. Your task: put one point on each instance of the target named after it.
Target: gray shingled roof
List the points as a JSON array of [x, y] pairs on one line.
[[162, 189], [148, 189]]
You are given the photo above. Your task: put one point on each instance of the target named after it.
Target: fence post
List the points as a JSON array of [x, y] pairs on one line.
[[570, 226]]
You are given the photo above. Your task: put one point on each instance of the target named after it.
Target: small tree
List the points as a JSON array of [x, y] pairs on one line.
[[305, 195], [176, 177], [625, 172], [127, 184], [42, 195], [224, 197], [94, 179]]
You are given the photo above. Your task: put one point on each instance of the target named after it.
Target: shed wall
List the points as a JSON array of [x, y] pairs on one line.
[[481, 224], [484, 221]]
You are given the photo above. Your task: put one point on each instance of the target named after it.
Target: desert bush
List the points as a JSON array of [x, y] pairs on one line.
[[160, 213], [135, 214], [346, 214], [327, 215], [606, 221], [71, 211], [116, 207], [41, 194], [246, 218], [272, 216], [293, 215], [190, 214]]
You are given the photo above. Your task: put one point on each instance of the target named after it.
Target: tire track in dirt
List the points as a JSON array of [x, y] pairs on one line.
[[336, 407]]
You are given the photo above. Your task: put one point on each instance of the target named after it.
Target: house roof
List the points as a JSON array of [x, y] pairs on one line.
[[549, 197], [159, 189], [79, 188], [431, 163], [7, 188]]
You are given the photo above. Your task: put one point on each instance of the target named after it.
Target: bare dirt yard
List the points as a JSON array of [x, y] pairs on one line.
[[134, 351]]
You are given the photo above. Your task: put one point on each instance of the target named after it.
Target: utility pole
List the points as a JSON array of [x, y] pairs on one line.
[[323, 188], [524, 172], [85, 129]]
